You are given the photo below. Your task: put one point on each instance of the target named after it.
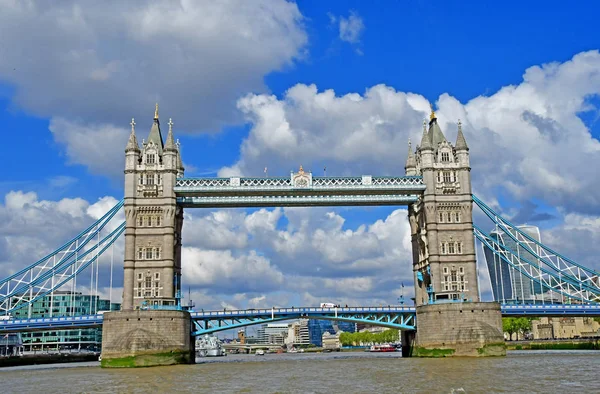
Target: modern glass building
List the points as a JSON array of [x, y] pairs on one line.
[[508, 283], [64, 303], [316, 329]]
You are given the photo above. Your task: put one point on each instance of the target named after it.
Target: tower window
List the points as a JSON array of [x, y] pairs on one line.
[[158, 220], [157, 253], [445, 157], [156, 275], [149, 253], [457, 217], [439, 177], [449, 217], [140, 221], [140, 254], [148, 282], [149, 179], [443, 248], [139, 278], [461, 270], [447, 177], [150, 159], [451, 248], [459, 247], [441, 217]]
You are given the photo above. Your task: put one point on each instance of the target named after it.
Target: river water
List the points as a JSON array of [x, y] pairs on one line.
[[519, 372]]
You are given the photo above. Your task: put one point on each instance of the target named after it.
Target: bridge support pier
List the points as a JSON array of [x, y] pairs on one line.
[[471, 329], [146, 338]]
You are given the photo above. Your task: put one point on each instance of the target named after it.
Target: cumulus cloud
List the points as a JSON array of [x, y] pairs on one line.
[[93, 65], [515, 135], [31, 228]]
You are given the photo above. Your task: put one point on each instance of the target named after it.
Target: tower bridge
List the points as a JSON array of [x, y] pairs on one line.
[[153, 329]]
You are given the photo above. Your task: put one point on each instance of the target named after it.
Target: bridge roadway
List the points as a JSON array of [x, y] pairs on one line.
[[213, 321]]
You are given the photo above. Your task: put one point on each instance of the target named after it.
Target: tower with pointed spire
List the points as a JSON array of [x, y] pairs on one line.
[[153, 220], [451, 319], [442, 227]]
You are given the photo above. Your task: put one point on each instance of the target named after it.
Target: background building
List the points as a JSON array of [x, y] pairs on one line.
[[565, 328], [64, 303], [317, 328], [272, 333], [298, 333], [509, 284]]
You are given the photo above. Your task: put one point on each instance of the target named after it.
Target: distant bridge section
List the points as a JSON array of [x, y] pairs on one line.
[[300, 189], [399, 317]]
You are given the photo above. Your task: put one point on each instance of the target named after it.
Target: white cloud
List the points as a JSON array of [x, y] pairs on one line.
[[351, 28], [224, 272], [92, 66], [31, 228], [515, 135]]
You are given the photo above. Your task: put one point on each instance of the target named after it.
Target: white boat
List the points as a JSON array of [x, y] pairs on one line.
[[259, 352], [209, 346]]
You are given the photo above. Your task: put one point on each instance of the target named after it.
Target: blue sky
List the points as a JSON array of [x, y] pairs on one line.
[[77, 87]]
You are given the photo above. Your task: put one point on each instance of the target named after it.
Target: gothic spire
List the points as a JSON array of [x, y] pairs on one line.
[[435, 132], [132, 144], [170, 144], [461, 143], [155, 135], [426, 139]]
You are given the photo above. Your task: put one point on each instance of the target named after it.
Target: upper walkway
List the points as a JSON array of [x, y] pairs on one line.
[[401, 317], [300, 189]]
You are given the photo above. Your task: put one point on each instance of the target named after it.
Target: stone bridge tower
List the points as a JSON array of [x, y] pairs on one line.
[[150, 329], [444, 260], [153, 220], [451, 320]]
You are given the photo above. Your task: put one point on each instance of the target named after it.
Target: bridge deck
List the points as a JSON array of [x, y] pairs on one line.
[[90, 321]]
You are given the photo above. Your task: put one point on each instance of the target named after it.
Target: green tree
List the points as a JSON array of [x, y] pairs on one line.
[[509, 326], [523, 326]]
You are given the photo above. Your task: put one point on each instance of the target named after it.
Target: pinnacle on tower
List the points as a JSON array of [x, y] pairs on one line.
[[155, 135], [461, 143], [426, 139], [170, 144], [132, 144], [435, 132], [410, 159]]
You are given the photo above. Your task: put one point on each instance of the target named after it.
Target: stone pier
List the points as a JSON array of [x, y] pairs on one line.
[[144, 338], [470, 329]]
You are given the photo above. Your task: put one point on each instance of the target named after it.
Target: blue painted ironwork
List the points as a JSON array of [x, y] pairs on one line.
[[403, 318], [59, 267], [300, 189], [548, 269]]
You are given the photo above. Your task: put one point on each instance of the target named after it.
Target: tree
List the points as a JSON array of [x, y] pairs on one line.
[[523, 326], [509, 326]]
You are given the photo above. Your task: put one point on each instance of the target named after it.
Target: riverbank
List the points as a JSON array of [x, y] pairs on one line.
[[52, 358], [554, 344]]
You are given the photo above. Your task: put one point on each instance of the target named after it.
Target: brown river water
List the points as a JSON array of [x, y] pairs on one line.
[[519, 372]]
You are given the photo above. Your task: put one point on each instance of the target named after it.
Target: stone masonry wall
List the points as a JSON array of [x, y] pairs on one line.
[[459, 329], [146, 338]]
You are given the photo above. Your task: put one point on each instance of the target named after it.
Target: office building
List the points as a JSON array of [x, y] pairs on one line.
[[64, 303]]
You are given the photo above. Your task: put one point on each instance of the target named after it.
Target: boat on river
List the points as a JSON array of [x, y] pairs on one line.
[[209, 346], [382, 348]]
